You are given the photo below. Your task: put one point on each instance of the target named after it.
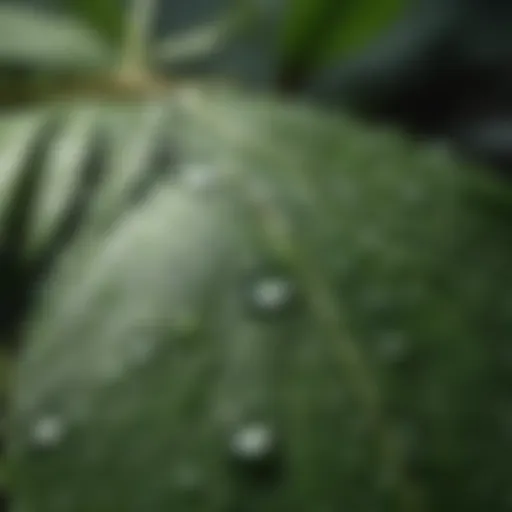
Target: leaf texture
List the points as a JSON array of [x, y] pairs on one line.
[[263, 308]]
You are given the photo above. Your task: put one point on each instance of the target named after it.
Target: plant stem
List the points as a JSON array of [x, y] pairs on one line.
[[138, 32]]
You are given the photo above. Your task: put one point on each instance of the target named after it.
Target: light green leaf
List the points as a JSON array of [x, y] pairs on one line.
[[39, 40], [206, 39]]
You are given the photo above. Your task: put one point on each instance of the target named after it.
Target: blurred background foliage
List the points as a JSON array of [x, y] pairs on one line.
[[279, 37], [437, 68]]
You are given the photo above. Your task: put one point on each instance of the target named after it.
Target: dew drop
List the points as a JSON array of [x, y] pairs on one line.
[[253, 443], [272, 293], [48, 431], [256, 454]]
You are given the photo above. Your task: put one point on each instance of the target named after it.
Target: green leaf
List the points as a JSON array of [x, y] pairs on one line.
[[364, 22], [34, 39], [106, 17], [258, 294], [202, 41], [317, 32]]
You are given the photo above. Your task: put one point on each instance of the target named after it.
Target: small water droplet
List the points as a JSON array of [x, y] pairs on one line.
[[253, 442], [273, 293], [270, 292], [48, 431]]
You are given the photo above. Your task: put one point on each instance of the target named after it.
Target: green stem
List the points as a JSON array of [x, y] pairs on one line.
[[138, 31]]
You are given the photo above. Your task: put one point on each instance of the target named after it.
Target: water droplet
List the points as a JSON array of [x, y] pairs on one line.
[[253, 443], [269, 291], [48, 431], [272, 293], [255, 453]]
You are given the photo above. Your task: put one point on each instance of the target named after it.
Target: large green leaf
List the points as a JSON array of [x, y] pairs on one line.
[[260, 308]]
